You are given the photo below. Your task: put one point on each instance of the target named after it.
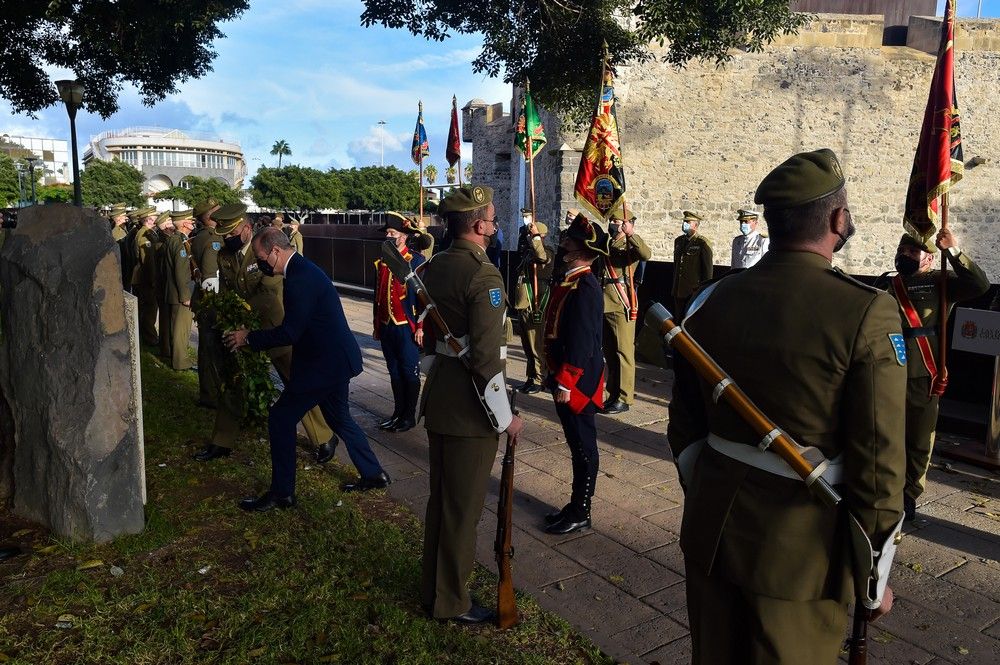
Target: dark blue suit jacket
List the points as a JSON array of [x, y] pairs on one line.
[[324, 350]]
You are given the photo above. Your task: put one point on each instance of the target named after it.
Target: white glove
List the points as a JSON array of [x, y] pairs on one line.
[[211, 284]]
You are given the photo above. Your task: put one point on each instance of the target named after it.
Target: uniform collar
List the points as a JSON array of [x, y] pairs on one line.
[[576, 272], [795, 258], [461, 243]]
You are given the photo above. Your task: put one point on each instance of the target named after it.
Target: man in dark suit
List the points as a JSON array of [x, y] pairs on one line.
[[325, 356]]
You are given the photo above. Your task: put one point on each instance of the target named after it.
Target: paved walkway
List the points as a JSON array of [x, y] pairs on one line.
[[622, 583]]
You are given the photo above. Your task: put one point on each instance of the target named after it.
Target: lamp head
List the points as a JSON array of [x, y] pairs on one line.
[[71, 92]]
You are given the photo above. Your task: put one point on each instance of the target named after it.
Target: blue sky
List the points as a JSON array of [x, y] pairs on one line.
[[307, 72]]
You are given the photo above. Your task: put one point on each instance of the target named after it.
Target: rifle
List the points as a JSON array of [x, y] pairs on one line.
[[507, 616], [859, 636]]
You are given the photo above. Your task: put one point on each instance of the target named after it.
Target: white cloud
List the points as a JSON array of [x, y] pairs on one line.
[[374, 141], [454, 58]]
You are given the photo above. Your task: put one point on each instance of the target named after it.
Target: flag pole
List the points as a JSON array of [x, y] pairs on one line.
[[531, 188], [454, 105], [942, 378], [420, 164]]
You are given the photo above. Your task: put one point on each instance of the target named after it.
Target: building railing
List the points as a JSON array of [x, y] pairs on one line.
[[162, 132]]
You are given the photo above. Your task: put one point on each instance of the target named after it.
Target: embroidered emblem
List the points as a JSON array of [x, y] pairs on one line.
[[184, 253], [216, 246], [478, 194], [496, 297], [252, 267], [899, 346]]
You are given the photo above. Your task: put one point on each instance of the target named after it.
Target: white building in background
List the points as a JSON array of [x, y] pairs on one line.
[[167, 156], [53, 153]]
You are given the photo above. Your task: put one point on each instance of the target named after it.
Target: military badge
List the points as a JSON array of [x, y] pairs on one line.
[[216, 246], [252, 267], [184, 253], [478, 195], [496, 297], [899, 346]]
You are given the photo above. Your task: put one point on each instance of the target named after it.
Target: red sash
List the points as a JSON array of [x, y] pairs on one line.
[[913, 319]]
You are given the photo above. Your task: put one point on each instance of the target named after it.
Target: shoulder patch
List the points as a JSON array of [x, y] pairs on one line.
[[184, 253], [496, 297], [216, 246], [899, 346], [847, 278], [252, 267]]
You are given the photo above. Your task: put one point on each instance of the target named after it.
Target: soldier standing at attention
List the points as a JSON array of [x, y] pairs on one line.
[[534, 271], [750, 245], [916, 288], [144, 276], [768, 564], [573, 353], [463, 414], [179, 276], [118, 218], [397, 328], [692, 262], [294, 236], [165, 229], [620, 311], [205, 248]]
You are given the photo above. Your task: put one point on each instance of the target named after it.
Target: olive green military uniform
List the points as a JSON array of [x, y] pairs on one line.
[[295, 237], [238, 272], [692, 267], [205, 248], [968, 282], [769, 573], [619, 328], [469, 294], [540, 259], [118, 232], [179, 289], [163, 308], [144, 282]]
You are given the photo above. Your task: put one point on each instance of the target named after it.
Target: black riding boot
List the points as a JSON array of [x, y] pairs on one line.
[[408, 415]]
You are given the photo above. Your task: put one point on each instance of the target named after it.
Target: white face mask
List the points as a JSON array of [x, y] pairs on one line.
[[686, 227], [745, 228]]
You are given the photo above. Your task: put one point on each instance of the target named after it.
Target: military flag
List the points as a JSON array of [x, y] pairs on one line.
[[420, 148], [454, 151], [937, 164], [530, 134], [600, 181]]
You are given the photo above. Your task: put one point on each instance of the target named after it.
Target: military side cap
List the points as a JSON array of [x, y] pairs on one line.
[[181, 215], [117, 210], [465, 198], [746, 215], [590, 234], [907, 240], [280, 217], [278, 222], [801, 179], [228, 217], [691, 216], [205, 206], [163, 218], [618, 216], [147, 211], [541, 228]]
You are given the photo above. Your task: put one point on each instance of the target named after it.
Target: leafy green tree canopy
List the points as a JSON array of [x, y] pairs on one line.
[[296, 188], [557, 43], [152, 44], [379, 188], [10, 192], [57, 193], [106, 183], [200, 189]]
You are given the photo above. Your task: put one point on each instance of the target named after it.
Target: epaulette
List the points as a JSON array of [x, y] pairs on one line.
[[843, 275]]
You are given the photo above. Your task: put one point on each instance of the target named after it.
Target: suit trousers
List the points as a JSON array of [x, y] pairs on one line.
[[581, 437], [459, 475], [180, 336], [533, 342], [619, 353], [402, 356], [289, 410], [730, 624], [921, 422]]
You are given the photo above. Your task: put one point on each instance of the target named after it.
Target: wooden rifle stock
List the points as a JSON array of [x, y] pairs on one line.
[[507, 616], [859, 636]]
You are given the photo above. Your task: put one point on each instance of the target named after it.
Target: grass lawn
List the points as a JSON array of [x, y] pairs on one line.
[[332, 581]]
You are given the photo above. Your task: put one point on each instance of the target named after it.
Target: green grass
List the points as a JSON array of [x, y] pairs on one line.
[[333, 581]]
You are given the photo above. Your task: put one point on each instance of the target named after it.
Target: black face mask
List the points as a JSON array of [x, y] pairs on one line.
[[233, 243], [844, 238], [906, 265], [265, 267]]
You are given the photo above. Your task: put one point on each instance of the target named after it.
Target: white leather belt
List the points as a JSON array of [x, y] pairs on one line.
[[765, 460], [442, 348]]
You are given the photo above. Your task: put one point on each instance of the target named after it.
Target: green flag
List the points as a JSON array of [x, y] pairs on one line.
[[530, 136]]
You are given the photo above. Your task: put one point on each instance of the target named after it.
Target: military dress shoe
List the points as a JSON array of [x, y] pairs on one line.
[[326, 450], [475, 614], [555, 516], [568, 525], [265, 502], [388, 423], [403, 425], [381, 481], [211, 452], [617, 406], [529, 387]]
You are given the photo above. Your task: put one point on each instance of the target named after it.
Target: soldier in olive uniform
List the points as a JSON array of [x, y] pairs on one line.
[[769, 574], [144, 276], [205, 248], [620, 311], [692, 262], [294, 236], [180, 276], [464, 408], [916, 287], [165, 229], [118, 217], [534, 272], [238, 271]]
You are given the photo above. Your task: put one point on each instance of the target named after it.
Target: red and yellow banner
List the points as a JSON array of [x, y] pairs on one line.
[[600, 181]]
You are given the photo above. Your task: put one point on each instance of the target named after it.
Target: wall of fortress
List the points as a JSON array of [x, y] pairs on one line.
[[701, 138]]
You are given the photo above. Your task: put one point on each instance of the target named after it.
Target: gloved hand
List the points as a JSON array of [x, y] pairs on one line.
[[211, 284]]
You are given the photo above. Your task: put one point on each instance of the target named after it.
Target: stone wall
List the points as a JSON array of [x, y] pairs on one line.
[[702, 137]]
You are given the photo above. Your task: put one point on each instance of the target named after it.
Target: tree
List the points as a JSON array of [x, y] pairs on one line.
[[200, 189], [154, 45], [106, 183], [57, 193], [281, 148], [557, 43], [468, 172], [430, 174], [10, 192], [296, 188], [451, 174], [378, 188]]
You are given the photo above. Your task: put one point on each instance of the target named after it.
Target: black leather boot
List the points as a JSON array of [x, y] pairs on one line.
[[397, 403], [408, 419]]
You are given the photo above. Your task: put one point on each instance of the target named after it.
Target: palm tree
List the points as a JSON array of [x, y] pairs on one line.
[[430, 174], [451, 174], [281, 148], [468, 172]]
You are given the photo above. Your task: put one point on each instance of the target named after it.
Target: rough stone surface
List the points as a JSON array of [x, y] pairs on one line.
[[67, 372], [701, 138]]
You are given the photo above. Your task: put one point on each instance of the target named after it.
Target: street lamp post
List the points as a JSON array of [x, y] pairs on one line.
[[71, 93], [381, 142], [31, 176], [19, 167]]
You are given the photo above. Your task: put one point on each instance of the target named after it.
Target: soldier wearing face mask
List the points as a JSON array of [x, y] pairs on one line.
[[692, 261], [915, 286], [750, 245]]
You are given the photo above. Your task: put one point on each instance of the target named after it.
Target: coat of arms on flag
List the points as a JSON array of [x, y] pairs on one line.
[[600, 181]]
